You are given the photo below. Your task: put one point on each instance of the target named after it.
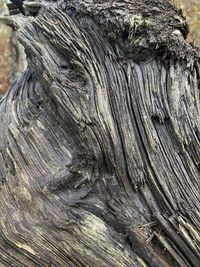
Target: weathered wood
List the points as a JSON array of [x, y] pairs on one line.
[[100, 139]]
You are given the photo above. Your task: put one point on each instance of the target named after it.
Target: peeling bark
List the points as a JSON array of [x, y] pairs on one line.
[[99, 142]]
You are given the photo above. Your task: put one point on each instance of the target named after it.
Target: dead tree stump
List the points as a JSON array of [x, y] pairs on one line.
[[100, 139]]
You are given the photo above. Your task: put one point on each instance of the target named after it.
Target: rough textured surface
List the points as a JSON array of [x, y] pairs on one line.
[[99, 143]]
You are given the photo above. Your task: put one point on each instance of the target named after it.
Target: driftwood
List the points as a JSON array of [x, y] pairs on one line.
[[100, 139]]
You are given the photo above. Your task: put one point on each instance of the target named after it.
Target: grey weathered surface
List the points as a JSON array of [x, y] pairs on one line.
[[100, 137]]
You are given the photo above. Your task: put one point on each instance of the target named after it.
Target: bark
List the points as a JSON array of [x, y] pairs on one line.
[[100, 139]]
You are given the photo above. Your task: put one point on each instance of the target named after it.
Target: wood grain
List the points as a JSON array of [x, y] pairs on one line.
[[99, 144]]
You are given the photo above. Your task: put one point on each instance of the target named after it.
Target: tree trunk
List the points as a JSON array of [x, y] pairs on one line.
[[100, 139]]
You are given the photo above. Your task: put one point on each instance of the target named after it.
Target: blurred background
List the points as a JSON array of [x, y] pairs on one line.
[[191, 10], [5, 53], [12, 58]]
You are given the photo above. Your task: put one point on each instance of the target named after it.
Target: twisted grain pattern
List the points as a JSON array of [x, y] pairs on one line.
[[99, 142]]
